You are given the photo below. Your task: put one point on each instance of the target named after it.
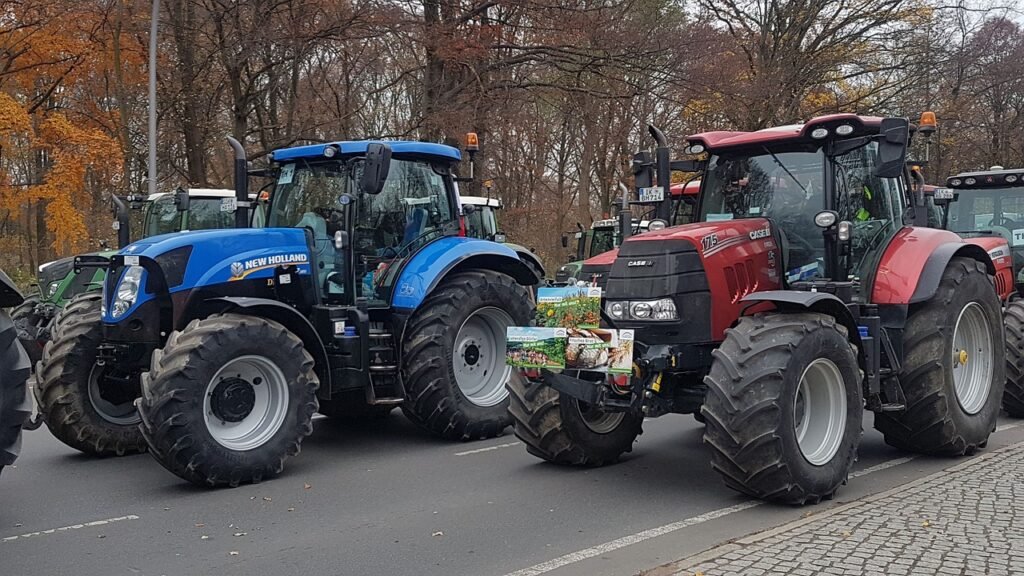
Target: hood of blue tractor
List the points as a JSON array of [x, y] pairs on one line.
[[213, 257]]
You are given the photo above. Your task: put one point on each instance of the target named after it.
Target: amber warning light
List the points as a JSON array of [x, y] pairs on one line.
[[472, 141], [927, 124]]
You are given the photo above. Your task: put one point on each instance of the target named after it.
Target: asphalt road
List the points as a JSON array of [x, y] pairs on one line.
[[396, 501]]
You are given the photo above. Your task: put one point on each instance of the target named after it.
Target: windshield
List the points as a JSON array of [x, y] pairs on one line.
[[997, 211], [163, 217], [481, 223], [601, 241]]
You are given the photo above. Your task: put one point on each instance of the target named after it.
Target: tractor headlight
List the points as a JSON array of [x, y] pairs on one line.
[[127, 290], [51, 289], [662, 309]]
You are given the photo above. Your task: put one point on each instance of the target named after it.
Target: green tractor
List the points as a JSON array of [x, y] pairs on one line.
[[163, 213], [480, 216]]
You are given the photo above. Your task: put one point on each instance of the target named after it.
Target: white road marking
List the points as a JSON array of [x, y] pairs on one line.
[[625, 541], [488, 449], [69, 528], [883, 466], [632, 539]]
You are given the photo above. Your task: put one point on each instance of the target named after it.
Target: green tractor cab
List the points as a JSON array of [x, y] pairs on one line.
[[162, 213], [480, 217], [603, 236]]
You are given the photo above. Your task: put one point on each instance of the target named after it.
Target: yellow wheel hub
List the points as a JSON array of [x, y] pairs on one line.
[[961, 357]]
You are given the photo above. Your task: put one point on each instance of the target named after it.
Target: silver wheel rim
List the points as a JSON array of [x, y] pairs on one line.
[[972, 358], [479, 357], [243, 431], [124, 414], [597, 420], [820, 408]]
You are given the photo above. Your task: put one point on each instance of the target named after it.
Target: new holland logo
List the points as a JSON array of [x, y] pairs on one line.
[[761, 232], [636, 263], [240, 270]]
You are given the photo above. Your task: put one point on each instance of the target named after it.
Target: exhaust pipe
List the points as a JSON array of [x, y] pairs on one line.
[[123, 221], [663, 166], [241, 184]]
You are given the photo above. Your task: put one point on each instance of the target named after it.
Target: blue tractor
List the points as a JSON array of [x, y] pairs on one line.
[[359, 296]]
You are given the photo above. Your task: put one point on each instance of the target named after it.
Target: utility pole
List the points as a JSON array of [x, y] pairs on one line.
[[153, 23]]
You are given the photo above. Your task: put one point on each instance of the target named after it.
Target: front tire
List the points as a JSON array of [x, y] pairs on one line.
[[564, 430], [953, 371], [88, 407], [454, 355], [15, 402], [228, 400], [26, 322], [1013, 395], [784, 407]]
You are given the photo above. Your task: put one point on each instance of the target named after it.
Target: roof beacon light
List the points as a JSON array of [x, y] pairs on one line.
[[927, 123], [819, 133], [844, 130], [472, 142]]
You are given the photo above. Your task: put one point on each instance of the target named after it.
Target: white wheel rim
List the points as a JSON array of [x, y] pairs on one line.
[[253, 382], [972, 358], [820, 411], [597, 420], [478, 357]]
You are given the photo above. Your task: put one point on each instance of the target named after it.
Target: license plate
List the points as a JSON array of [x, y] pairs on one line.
[[652, 194]]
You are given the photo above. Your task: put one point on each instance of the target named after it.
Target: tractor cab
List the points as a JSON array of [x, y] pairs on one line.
[[604, 236], [356, 234], [989, 203]]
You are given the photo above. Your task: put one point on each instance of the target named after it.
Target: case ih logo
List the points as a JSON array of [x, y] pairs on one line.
[[637, 263], [761, 232]]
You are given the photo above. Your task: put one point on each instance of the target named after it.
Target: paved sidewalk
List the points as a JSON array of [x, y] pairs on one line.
[[966, 520]]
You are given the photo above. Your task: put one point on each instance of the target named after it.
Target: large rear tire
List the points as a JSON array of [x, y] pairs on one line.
[[88, 407], [784, 407], [228, 400], [564, 430], [1013, 395], [27, 322], [454, 355], [15, 402], [953, 370]]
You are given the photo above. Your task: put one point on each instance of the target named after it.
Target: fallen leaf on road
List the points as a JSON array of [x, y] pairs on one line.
[[698, 574], [101, 535], [233, 553], [237, 534], [267, 498], [166, 509], [438, 533], [846, 533], [926, 523], [291, 509], [200, 525], [204, 537], [307, 486]]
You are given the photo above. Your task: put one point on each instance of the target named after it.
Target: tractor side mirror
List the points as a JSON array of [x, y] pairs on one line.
[[892, 150], [340, 240], [182, 199], [375, 168], [643, 169], [468, 209], [565, 241]]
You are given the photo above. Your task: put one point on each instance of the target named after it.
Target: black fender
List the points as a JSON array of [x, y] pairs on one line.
[[820, 302], [283, 314], [931, 275], [531, 258], [9, 294]]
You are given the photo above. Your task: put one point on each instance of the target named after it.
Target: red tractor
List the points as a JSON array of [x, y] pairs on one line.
[[987, 208], [808, 290]]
